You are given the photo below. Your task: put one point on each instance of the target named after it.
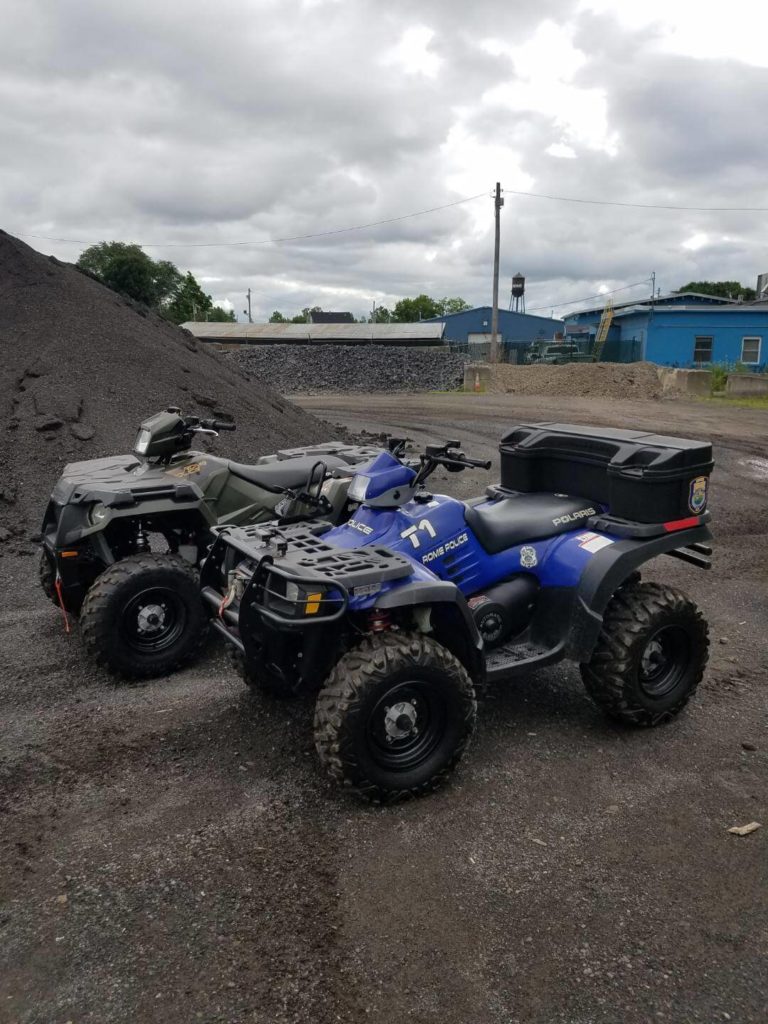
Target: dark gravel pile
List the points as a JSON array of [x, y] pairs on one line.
[[308, 369], [81, 367]]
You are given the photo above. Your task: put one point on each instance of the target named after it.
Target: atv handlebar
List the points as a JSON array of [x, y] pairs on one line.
[[446, 455], [475, 463], [217, 425], [455, 462]]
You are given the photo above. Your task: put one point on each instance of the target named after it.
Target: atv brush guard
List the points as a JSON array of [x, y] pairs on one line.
[[290, 577]]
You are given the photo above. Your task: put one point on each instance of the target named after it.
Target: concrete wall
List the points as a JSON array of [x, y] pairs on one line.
[[694, 382], [747, 385], [477, 376]]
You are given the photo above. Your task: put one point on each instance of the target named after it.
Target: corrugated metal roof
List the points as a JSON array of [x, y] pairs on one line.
[[667, 301], [658, 311], [315, 332]]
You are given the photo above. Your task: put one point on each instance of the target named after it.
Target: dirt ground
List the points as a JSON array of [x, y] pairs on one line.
[[170, 852]]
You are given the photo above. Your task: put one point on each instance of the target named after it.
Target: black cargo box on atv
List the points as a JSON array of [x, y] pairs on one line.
[[645, 478]]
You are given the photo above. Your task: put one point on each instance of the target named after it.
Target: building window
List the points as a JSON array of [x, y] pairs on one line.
[[702, 350], [750, 350]]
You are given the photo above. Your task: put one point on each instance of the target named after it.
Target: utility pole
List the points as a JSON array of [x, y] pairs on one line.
[[248, 296], [497, 205], [653, 284]]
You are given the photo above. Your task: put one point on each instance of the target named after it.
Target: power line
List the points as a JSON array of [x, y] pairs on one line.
[[407, 216], [640, 206], [268, 241], [597, 295]]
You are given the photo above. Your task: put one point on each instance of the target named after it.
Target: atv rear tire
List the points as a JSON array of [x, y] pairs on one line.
[[261, 681], [143, 616], [394, 717], [650, 656]]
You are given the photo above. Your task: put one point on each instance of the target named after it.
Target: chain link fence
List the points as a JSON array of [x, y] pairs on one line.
[[526, 352]]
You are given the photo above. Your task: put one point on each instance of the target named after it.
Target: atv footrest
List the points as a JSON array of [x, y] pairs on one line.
[[511, 657]]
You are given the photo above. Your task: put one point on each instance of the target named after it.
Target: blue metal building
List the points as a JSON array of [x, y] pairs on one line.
[[475, 325], [685, 330]]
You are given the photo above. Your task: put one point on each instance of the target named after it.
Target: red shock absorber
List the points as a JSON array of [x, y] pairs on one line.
[[379, 620]]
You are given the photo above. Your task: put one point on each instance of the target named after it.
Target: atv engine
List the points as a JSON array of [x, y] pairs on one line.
[[504, 610]]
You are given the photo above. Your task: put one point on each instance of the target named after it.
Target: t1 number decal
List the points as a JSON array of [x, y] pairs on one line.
[[412, 533]]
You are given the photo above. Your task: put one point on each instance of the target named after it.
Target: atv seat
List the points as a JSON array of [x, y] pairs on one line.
[[502, 523], [277, 476]]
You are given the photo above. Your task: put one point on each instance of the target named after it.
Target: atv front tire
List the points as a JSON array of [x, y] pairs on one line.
[[143, 616], [650, 656], [394, 717], [46, 574]]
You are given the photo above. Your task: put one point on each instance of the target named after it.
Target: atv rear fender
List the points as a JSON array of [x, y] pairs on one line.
[[612, 566]]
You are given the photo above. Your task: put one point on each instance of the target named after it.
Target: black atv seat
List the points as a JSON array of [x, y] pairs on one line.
[[506, 522], [276, 476]]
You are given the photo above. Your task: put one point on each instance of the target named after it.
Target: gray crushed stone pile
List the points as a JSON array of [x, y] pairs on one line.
[[309, 369], [82, 366]]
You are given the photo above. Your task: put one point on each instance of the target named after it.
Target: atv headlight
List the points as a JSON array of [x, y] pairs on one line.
[[142, 442], [358, 488], [98, 513], [306, 602]]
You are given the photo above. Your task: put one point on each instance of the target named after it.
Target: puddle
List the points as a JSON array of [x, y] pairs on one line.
[[756, 468]]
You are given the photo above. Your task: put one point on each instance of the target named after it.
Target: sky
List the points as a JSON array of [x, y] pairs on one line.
[[186, 124]]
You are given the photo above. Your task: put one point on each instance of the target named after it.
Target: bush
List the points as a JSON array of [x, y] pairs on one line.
[[719, 377]]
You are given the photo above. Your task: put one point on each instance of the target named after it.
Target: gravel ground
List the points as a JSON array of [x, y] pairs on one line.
[[601, 380], [312, 369], [169, 851]]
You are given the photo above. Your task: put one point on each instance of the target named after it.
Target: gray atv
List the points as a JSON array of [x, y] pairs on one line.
[[123, 536]]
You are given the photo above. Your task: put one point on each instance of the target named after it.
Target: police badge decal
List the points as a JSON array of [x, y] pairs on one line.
[[697, 495]]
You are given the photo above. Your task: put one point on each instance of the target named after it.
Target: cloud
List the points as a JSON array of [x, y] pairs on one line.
[[257, 119]]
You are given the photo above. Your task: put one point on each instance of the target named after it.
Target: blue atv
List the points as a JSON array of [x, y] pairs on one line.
[[397, 615]]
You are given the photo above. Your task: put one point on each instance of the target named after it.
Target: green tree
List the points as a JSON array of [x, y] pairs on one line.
[[408, 311], [278, 318], [127, 269], [424, 308], [382, 316], [722, 289], [168, 280], [217, 314], [304, 316], [189, 303], [448, 306]]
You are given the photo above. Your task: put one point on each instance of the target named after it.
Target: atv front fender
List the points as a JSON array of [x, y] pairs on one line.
[[451, 620], [610, 567]]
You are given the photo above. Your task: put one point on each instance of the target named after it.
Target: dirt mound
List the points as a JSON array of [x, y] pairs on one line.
[[604, 380], [82, 366], [310, 369]]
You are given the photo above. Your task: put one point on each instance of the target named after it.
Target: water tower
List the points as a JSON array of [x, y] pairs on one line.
[[517, 298]]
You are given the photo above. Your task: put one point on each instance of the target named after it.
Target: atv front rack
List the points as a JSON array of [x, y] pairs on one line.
[[291, 576]]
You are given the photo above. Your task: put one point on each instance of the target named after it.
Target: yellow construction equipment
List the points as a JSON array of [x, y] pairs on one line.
[[602, 331]]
